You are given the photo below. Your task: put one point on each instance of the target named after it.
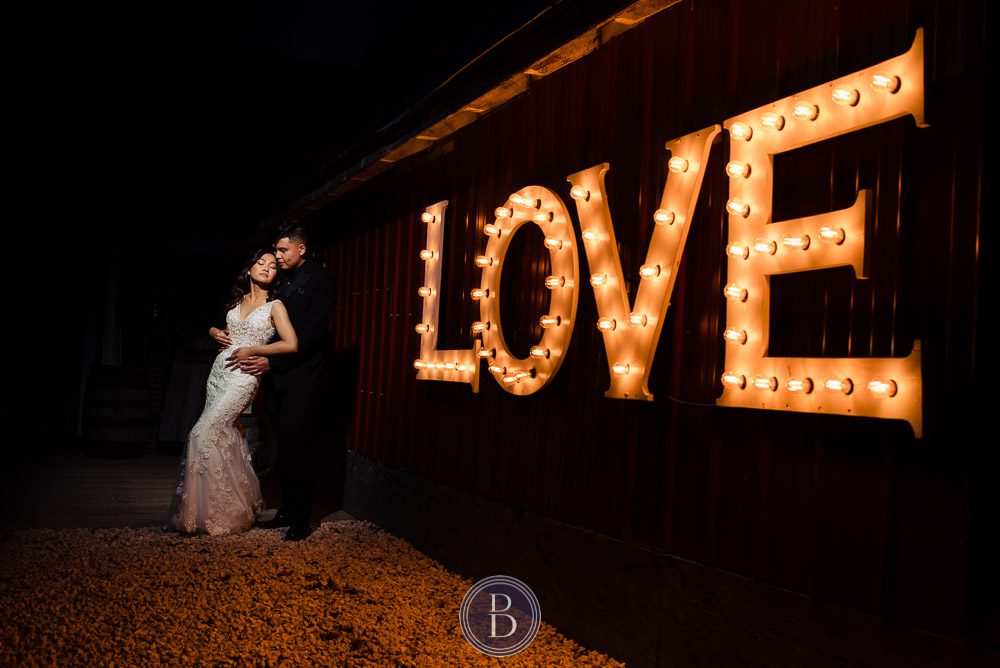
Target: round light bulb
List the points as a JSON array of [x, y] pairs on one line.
[[832, 235], [648, 271], [735, 336], [663, 217], [845, 385], [735, 292], [847, 96], [732, 379], [548, 321], [427, 217], [598, 279], [883, 388], [884, 83], [637, 320], [772, 121], [765, 383], [484, 261], [487, 353], [620, 368], [424, 291], [765, 246], [589, 236], [479, 293], [737, 168], [491, 230], [734, 249], [503, 212], [805, 111], [419, 364], [579, 192], [553, 243], [607, 324], [426, 255], [790, 240], [553, 282], [740, 130], [539, 352], [422, 328], [480, 326], [804, 385], [738, 207], [542, 217], [677, 164]]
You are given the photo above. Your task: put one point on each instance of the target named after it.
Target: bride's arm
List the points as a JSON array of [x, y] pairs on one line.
[[287, 344]]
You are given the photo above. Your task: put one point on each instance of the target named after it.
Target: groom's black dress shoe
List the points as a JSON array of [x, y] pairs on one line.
[[298, 532], [281, 519]]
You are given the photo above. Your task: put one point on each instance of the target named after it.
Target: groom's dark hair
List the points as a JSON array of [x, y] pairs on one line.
[[294, 231]]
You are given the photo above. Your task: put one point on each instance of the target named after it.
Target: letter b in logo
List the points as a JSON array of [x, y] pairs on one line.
[[500, 615]]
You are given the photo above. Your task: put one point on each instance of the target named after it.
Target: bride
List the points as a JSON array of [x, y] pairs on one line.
[[218, 492]]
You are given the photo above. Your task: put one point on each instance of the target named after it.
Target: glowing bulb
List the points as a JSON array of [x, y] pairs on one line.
[[427, 217], [772, 121], [732, 379], [637, 320], [735, 292], [738, 250], [884, 83], [620, 368], [738, 207], [538, 352], [479, 293], [480, 326], [845, 385], [491, 230], [677, 164], [735, 336], [663, 217], [648, 271], [741, 131], [766, 246], [552, 243], [832, 235], [765, 383], [804, 385], [805, 111], [426, 255], [509, 379], [487, 353], [553, 282], [883, 388], [497, 369], [503, 212], [524, 200], [484, 261], [423, 328], [598, 279], [589, 235], [737, 168], [845, 95], [607, 324], [424, 291], [548, 321], [579, 192], [419, 364], [790, 240], [521, 375], [542, 217]]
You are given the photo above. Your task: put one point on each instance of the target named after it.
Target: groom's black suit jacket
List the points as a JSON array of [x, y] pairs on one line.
[[309, 296]]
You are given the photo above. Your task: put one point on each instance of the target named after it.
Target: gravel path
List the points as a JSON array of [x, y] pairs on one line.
[[349, 595]]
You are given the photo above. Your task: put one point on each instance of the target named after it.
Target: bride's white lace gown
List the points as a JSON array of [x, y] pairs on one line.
[[218, 492]]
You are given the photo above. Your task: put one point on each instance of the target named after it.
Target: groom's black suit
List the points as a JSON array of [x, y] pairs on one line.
[[295, 383]]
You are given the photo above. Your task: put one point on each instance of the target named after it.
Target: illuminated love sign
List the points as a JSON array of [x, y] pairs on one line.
[[758, 248]]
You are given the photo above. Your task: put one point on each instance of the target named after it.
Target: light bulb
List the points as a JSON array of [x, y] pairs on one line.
[[553, 243], [738, 207], [845, 385], [480, 326], [491, 230], [735, 292], [832, 235], [620, 368], [735, 336], [598, 279], [765, 383], [590, 236], [579, 192], [737, 168], [765, 246], [677, 164], [732, 379], [804, 385], [790, 240], [525, 200], [497, 369], [553, 282], [422, 328], [883, 388], [548, 321], [648, 271], [427, 217], [419, 364], [487, 353], [637, 320], [607, 324], [426, 255], [509, 379], [884, 83], [538, 352], [503, 212], [542, 217], [737, 250], [847, 96], [805, 111], [424, 291], [484, 261], [479, 293], [772, 121], [663, 217], [741, 131]]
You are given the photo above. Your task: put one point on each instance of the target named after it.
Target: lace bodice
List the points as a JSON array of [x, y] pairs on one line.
[[255, 330]]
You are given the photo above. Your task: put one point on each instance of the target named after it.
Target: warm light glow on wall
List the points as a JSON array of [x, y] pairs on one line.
[[542, 207], [832, 239], [630, 347], [458, 366]]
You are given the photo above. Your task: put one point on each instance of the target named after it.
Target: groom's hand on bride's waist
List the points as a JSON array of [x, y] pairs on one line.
[[254, 365]]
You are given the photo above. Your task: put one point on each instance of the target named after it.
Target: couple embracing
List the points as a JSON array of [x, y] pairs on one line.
[[275, 331]]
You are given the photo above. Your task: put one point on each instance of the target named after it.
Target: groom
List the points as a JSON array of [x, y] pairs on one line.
[[295, 380]]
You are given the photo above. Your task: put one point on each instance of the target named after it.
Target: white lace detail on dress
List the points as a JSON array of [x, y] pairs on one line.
[[218, 492]]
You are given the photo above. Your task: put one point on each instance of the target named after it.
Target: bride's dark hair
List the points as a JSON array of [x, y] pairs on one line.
[[241, 286]]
